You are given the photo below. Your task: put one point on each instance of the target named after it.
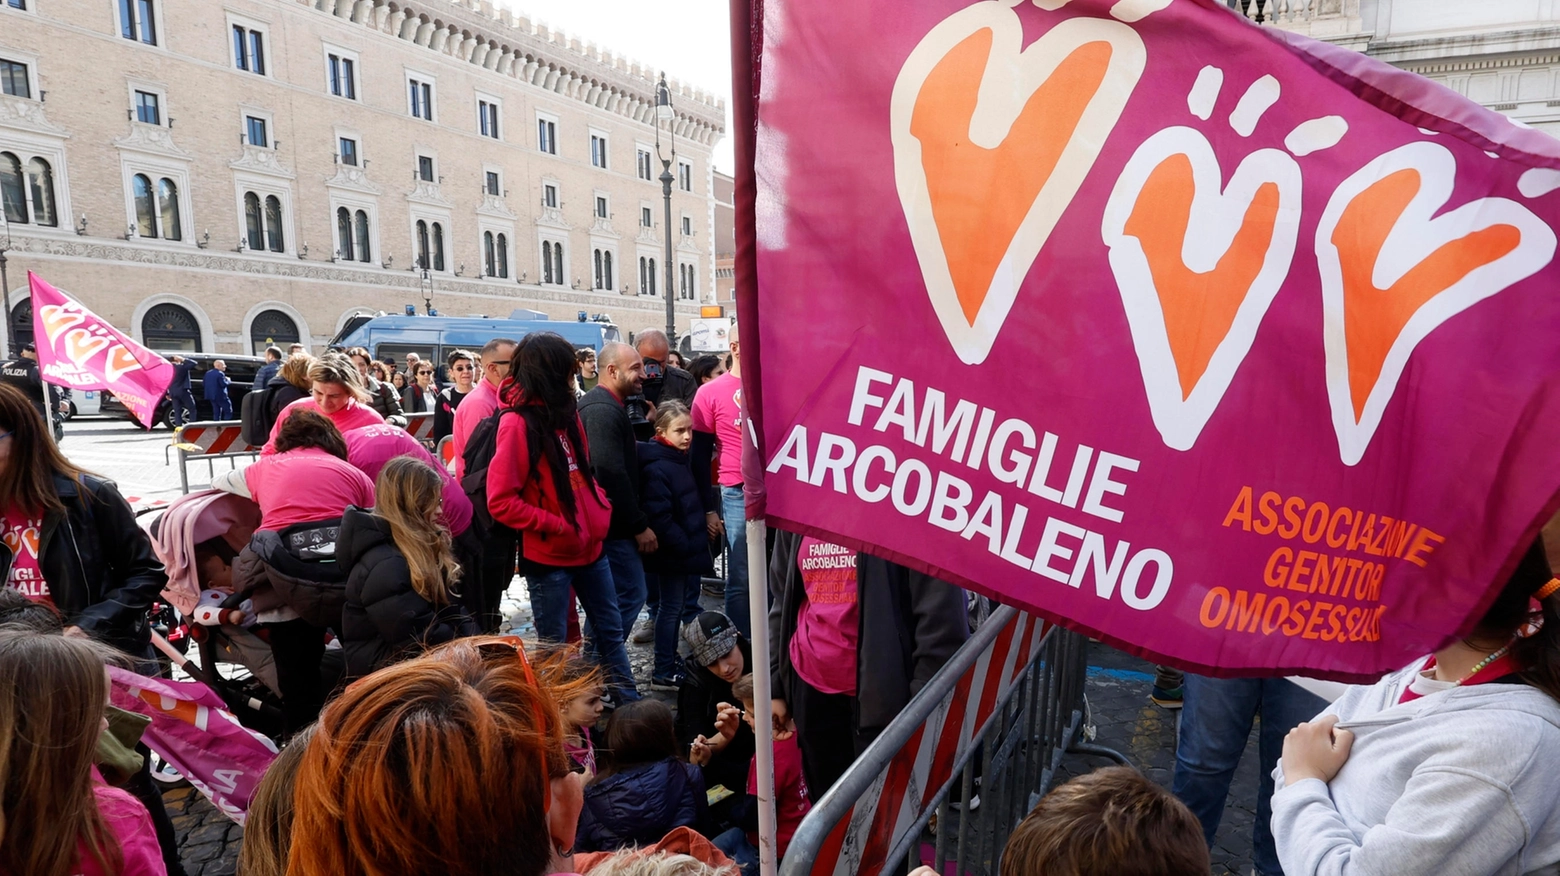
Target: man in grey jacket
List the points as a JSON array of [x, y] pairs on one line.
[[614, 460], [852, 638]]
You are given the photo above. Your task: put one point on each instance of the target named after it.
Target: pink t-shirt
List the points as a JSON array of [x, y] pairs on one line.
[[20, 533], [478, 405], [823, 648], [370, 447], [129, 823], [350, 416], [792, 800], [717, 408], [305, 485]]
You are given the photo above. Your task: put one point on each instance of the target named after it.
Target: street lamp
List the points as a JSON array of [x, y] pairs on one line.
[[5, 286], [427, 291], [663, 113]]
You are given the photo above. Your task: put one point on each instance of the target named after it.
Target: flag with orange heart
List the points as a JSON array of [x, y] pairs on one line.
[[1235, 349], [79, 349]]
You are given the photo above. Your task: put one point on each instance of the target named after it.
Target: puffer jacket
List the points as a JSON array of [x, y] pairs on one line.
[[316, 590], [671, 503], [385, 618], [524, 497], [640, 805], [101, 571]]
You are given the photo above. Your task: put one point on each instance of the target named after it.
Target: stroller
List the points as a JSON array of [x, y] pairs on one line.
[[217, 619]]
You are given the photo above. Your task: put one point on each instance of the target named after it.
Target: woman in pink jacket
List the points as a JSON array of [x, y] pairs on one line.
[[337, 393]]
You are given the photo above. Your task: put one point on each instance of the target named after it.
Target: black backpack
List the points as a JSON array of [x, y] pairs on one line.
[[255, 424], [477, 457]]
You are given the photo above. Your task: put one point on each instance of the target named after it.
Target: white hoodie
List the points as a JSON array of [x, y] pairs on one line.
[[1464, 782]]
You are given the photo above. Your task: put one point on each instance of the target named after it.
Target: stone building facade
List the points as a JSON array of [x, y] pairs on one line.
[[217, 175]]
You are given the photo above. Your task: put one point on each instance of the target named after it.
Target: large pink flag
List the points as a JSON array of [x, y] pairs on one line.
[[1236, 349], [193, 730], [79, 350]]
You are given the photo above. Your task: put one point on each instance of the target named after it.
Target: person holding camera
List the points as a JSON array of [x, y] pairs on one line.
[[614, 461], [662, 379]]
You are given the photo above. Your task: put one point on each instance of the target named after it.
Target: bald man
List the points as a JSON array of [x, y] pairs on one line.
[[614, 460], [672, 382]]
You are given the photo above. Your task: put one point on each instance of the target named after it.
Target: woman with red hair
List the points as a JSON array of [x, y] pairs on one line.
[[452, 762]]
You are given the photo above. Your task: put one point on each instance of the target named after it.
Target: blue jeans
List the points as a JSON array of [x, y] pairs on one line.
[[674, 601], [734, 515], [734, 845], [628, 576], [1215, 724], [593, 587]]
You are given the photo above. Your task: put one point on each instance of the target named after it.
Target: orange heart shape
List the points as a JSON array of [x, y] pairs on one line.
[[30, 538], [12, 540], [59, 317], [980, 196], [120, 361], [1199, 308], [81, 345], [1374, 317]]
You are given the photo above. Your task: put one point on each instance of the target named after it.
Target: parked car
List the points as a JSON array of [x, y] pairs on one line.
[[241, 369], [85, 403]]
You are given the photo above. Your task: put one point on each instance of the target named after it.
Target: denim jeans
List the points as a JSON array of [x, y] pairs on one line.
[[734, 845], [670, 608], [593, 587], [628, 576], [734, 515], [1215, 725]]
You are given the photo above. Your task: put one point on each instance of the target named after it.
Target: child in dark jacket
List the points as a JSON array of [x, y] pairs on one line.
[[401, 571], [670, 499], [644, 791]]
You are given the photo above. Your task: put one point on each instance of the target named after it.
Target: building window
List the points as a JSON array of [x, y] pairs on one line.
[[249, 49], [495, 254], [487, 118], [430, 245], [552, 263], [13, 79], [421, 94], [601, 207], [360, 220], [601, 261], [547, 136], [168, 209], [646, 276], [254, 223], [271, 328], [344, 234], [17, 4], [254, 132], [503, 256], [425, 168], [646, 217], [549, 195], [642, 164], [145, 206], [685, 176], [40, 181], [273, 224], [38, 186], [138, 21], [598, 151], [686, 283], [687, 226], [343, 76], [147, 108], [349, 152], [171, 327], [493, 186]]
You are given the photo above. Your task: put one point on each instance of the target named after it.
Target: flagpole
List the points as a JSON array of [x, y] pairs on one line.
[[763, 710]]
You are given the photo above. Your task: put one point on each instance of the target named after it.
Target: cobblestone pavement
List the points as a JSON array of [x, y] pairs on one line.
[[1117, 688]]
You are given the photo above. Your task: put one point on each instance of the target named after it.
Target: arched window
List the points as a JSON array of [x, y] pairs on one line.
[[503, 256], [171, 327], [488, 268], [558, 263], [271, 327], [653, 287], [41, 177], [145, 208], [606, 272], [168, 201], [253, 223], [547, 274], [363, 253], [595, 258], [693, 284], [438, 246], [273, 224], [422, 244], [12, 193], [22, 321], [344, 234], [644, 283]]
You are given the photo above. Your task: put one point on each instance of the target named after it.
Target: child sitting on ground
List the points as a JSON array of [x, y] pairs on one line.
[[563, 667], [643, 791], [1111, 822], [791, 798]]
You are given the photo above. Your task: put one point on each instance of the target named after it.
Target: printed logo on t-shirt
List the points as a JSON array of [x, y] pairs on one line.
[[25, 576], [828, 572]]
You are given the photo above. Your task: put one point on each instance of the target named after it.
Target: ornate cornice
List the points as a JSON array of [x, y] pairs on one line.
[[256, 159], [28, 115], [352, 179], [152, 140]]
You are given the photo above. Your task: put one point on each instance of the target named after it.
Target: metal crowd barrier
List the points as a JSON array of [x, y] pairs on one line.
[[210, 440], [970, 756]]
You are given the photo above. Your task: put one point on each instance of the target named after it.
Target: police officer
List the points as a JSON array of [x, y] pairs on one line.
[[23, 374]]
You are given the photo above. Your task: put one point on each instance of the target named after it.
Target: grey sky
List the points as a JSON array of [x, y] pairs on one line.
[[689, 39]]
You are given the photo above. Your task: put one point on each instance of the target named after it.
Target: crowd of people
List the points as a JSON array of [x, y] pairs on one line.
[[611, 480]]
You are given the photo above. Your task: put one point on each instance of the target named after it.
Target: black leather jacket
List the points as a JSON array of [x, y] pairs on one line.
[[102, 573]]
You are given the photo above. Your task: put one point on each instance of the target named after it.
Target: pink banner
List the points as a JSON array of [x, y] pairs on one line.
[[1237, 350], [192, 729], [79, 350]]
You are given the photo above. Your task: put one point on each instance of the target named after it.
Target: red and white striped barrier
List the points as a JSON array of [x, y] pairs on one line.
[[213, 439], [421, 427]]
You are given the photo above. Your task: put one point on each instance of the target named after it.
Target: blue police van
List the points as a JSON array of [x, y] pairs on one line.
[[435, 337]]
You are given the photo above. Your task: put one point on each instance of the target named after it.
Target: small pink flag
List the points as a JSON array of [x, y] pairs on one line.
[[78, 349]]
